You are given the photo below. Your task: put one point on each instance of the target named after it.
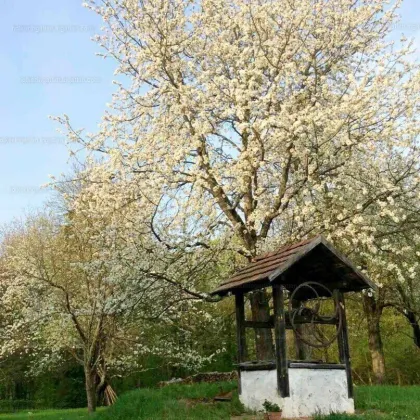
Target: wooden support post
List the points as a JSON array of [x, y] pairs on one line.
[[240, 333], [280, 337], [339, 337], [343, 340]]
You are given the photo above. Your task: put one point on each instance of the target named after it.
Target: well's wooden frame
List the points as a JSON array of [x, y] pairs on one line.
[[280, 324]]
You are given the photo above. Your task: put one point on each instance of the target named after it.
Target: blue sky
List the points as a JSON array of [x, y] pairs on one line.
[[46, 39]]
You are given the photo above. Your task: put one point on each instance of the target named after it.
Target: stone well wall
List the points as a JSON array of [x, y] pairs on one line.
[[321, 391]]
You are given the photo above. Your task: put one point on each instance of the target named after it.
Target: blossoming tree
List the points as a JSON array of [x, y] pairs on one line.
[[90, 290], [261, 121]]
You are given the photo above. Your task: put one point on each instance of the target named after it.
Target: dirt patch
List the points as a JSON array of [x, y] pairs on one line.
[[192, 402], [224, 397]]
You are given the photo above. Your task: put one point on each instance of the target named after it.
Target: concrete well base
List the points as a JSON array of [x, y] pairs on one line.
[[312, 391]]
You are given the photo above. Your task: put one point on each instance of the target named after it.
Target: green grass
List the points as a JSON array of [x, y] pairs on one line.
[[175, 402], [384, 403], [194, 402], [80, 413], [372, 403]]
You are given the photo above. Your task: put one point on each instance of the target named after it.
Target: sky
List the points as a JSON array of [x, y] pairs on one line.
[[49, 67]]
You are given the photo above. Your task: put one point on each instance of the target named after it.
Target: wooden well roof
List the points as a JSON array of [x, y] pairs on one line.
[[309, 260]]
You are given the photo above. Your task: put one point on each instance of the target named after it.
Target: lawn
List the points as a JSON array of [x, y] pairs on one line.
[[385, 403], [194, 402], [175, 402], [80, 413]]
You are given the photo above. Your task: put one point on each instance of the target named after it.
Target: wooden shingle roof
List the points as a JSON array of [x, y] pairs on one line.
[[310, 260]]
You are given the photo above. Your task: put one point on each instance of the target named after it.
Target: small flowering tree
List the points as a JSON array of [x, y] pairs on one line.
[[405, 290], [88, 289], [259, 122]]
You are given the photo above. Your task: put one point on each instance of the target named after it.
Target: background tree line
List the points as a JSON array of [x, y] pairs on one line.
[[60, 381]]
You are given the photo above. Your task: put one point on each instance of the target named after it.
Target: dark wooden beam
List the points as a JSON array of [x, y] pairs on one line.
[[258, 365], [328, 366], [258, 324], [343, 340], [240, 332], [271, 365], [341, 354], [280, 338]]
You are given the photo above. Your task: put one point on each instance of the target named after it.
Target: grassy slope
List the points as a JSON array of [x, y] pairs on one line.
[[78, 414], [386, 403], [175, 402]]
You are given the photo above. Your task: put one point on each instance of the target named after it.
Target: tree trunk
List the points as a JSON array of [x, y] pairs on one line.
[[260, 309], [414, 323], [302, 351], [410, 315], [90, 382], [373, 313]]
